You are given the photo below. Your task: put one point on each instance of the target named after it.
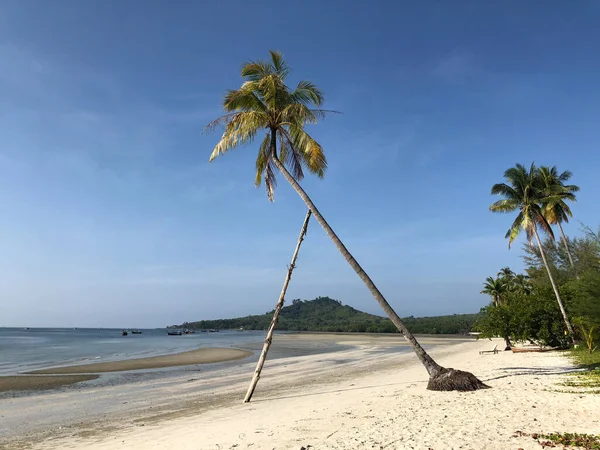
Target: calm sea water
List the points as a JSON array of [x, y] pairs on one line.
[[35, 348]]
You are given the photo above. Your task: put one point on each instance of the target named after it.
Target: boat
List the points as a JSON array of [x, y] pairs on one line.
[[136, 331], [530, 349], [212, 330], [123, 333], [174, 333], [186, 331]]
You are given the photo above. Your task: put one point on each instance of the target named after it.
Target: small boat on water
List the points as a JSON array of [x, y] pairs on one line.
[[212, 330], [186, 331], [174, 333], [123, 333], [136, 331]]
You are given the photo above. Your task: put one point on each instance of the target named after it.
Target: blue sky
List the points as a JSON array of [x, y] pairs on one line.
[[112, 215]]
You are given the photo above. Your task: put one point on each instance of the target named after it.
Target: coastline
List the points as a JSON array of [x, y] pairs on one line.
[[360, 397]]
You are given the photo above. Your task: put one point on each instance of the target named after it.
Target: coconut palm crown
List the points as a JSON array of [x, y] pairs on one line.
[[264, 102], [523, 192]]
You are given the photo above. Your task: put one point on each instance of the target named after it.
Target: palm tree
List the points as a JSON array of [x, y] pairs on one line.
[[521, 284], [525, 193], [558, 211], [497, 288], [265, 102], [507, 274]]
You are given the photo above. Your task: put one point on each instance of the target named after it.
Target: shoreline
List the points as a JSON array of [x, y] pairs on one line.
[[192, 357], [357, 398]]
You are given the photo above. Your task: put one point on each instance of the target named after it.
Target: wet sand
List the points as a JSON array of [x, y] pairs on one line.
[[32, 382], [200, 356]]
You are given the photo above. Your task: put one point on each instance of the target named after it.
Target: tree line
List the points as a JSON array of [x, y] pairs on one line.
[[556, 302], [327, 314]]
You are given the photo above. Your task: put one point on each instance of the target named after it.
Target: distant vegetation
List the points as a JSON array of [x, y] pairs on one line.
[[326, 314], [556, 302]]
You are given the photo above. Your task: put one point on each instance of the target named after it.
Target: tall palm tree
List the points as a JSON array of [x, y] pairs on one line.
[[495, 288], [265, 102], [556, 212], [525, 193]]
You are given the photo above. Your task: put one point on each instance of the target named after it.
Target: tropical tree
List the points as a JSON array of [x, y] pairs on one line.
[[521, 284], [525, 193], [265, 102], [495, 288], [507, 274], [557, 211]]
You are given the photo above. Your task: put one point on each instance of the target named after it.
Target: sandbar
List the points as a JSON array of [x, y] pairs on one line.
[[27, 382], [200, 356]]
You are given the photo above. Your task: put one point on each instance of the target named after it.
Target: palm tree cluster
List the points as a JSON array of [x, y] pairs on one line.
[[501, 286], [264, 103], [506, 281], [539, 195]]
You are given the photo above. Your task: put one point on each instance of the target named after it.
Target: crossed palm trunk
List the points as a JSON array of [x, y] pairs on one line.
[[440, 378], [269, 338]]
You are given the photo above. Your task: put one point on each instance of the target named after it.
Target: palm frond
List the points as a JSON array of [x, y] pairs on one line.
[[307, 93], [279, 64], [310, 150], [244, 99], [262, 159], [504, 206], [239, 130], [514, 230], [290, 157], [504, 189]]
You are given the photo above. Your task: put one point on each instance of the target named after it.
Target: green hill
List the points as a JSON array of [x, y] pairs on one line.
[[326, 314]]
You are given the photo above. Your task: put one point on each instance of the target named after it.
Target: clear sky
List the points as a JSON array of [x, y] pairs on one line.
[[112, 215]]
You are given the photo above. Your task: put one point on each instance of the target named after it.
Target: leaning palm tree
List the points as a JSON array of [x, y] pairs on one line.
[[556, 212], [265, 103], [524, 192]]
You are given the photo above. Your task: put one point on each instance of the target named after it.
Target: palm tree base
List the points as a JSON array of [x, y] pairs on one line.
[[455, 380]]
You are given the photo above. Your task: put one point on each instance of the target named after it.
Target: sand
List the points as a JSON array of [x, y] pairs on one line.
[[355, 399], [31, 382], [200, 356]]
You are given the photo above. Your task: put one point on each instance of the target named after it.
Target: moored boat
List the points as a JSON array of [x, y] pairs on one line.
[[530, 349], [174, 333]]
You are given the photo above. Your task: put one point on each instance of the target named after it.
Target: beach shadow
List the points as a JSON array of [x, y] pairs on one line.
[[539, 371], [314, 394]]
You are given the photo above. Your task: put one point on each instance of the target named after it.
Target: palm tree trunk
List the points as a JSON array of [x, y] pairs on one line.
[[564, 238], [269, 338], [440, 378], [560, 304]]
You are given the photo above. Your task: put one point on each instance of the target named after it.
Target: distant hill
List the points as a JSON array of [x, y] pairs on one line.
[[327, 314]]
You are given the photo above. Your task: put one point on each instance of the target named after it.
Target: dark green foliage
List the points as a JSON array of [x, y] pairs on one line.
[[525, 318], [326, 314], [528, 312]]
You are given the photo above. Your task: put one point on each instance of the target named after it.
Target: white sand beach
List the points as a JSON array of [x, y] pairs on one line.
[[354, 399]]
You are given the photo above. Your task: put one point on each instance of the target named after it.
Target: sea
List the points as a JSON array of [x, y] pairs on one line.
[[26, 349]]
